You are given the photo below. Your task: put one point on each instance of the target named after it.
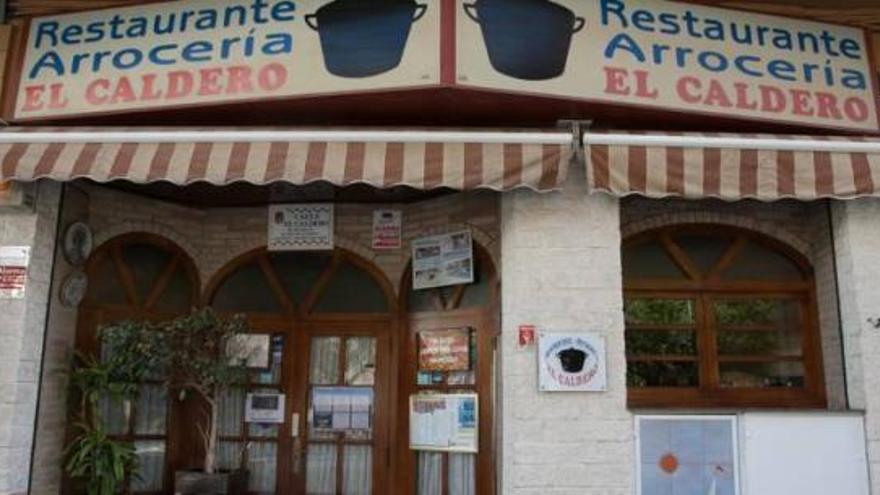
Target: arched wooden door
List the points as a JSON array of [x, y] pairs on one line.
[[331, 317], [473, 308]]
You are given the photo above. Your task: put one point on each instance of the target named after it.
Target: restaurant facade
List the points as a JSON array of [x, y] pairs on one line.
[[522, 247]]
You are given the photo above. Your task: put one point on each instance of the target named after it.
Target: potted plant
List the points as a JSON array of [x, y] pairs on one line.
[[200, 354], [100, 463]]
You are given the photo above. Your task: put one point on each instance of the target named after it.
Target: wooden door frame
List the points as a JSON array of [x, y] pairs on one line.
[[384, 330], [486, 321], [300, 322]]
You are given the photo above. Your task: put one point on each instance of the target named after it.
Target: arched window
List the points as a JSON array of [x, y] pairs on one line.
[[719, 317], [303, 283], [136, 277]]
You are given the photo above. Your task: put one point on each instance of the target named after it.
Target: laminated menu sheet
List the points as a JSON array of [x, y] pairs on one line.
[[444, 423]]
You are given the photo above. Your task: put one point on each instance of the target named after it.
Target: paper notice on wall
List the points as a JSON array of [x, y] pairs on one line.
[[445, 350], [443, 260], [387, 225], [301, 227], [444, 423], [14, 263], [342, 409]]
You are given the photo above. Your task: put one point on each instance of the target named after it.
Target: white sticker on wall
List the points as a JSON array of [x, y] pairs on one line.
[[387, 226], [14, 261], [301, 227], [571, 362]]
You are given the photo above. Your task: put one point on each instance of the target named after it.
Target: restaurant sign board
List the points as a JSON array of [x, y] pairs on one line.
[[671, 56], [649, 54], [171, 54]]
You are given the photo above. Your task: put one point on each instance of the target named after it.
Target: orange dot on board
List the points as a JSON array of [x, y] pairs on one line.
[[669, 464]]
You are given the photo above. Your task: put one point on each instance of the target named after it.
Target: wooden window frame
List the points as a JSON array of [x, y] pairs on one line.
[[704, 288], [94, 314]]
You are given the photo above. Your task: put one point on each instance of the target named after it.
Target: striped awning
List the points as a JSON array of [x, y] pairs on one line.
[[733, 166], [461, 160]]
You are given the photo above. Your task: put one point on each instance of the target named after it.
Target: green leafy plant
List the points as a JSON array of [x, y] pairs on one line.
[[100, 461], [131, 351], [201, 349]]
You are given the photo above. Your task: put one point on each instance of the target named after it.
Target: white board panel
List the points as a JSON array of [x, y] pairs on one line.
[[803, 454]]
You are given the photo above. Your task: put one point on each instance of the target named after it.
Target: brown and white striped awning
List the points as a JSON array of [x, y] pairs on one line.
[[461, 160], [733, 166]]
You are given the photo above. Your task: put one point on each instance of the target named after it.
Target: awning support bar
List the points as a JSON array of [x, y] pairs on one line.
[[113, 136], [746, 143]]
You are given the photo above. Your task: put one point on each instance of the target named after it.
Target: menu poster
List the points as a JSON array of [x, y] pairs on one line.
[[443, 260], [251, 350], [444, 423], [342, 409], [387, 226], [301, 227], [14, 263], [445, 350]]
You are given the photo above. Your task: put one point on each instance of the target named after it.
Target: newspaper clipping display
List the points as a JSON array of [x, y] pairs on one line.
[[342, 409], [444, 423], [443, 260]]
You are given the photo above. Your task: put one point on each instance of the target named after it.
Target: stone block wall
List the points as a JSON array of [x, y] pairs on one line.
[[857, 242], [562, 273], [22, 324]]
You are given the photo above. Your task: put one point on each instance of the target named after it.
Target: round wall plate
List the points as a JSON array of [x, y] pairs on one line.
[[78, 243], [73, 289]]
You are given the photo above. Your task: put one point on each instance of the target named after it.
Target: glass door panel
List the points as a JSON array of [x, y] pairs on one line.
[[254, 446], [341, 415]]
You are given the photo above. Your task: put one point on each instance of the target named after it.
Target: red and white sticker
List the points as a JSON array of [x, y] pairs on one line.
[[387, 226], [13, 271]]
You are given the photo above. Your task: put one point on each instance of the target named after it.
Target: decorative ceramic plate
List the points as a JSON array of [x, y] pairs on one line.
[[73, 289], [78, 243]]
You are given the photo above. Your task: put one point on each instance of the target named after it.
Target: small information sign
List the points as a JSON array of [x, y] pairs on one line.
[[301, 227], [14, 263]]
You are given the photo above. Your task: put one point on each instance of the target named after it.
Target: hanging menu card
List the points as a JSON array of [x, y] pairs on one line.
[[444, 423]]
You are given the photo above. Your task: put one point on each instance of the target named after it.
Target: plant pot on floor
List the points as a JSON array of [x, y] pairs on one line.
[[198, 482]]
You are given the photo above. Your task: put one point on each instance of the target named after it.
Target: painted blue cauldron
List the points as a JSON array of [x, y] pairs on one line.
[[363, 38], [526, 39]]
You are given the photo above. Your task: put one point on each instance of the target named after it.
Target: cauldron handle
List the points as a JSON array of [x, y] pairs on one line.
[[579, 23], [312, 21], [420, 11], [470, 10]]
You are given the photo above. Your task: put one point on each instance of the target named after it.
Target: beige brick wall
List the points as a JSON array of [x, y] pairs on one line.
[[803, 226], [21, 337], [562, 273], [857, 241], [213, 238], [58, 356]]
